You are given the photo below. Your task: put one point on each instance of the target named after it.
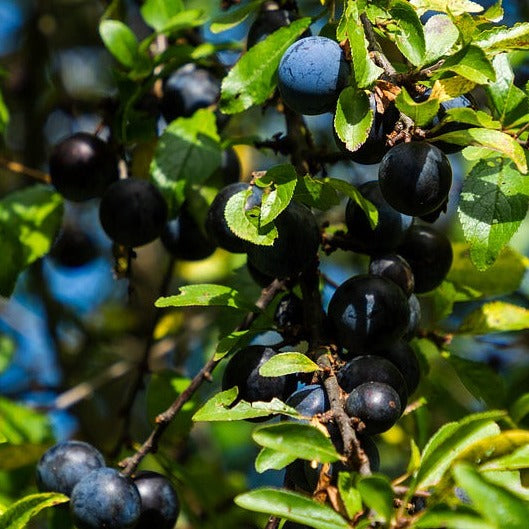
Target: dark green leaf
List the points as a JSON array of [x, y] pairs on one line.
[[29, 221], [496, 316], [471, 63], [316, 193], [349, 494], [292, 506], [234, 16], [157, 13], [297, 439], [269, 459], [492, 207], [287, 363], [378, 495], [503, 277], [253, 79], [241, 223], [449, 441], [220, 408], [440, 34], [205, 296], [188, 152], [520, 408], [7, 350], [421, 113], [480, 379], [4, 115], [496, 504], [20, 513], [510, 103], [353, 118], [461, 517], [120, 41], [502, 39], [410, 34], [284, 178]]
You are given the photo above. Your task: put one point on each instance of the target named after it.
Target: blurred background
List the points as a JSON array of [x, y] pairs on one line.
[[73, 335]]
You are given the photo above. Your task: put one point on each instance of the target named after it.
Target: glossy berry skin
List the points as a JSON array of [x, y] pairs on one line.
[[159, 503], [295, 247], [105, 498], [403, 357], [188, 89], [390, 229], [242, 371], [396, 268], [270, 19], [415, 317], [289, 312], [216, 225], [415, 178], [370, 368], [312, 73], [65, 464], [73, 248], [430, 255], [309, 400], [374, 148], [368, 312], [376, 404], [183, 238], [230, 166], [82, 166], [133, 212]]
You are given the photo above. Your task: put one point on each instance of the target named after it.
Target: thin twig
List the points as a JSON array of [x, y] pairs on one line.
[[273, 522], [164, 419], [375, 47], [18, 168]]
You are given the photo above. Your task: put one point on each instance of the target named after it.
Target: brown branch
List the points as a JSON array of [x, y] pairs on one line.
[[163, 420], [376, 49], [273, 522], [18, 168]]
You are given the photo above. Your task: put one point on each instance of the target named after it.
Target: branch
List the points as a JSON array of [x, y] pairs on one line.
[[163, 420], [374, 46], [18, 168]]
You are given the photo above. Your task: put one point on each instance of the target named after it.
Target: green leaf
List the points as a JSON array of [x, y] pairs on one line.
[[515, 460], [187, 19], [496, 316], [7, 350], [351, 192], [158, 13], [287, 363], [245, 224], [462, 517], [520, 408], [479, 378], [349, 494], [21, 425], [449, 441], [500, 39], [14, 456], [496, 504], [284, 178], [254, 77], [220, 408], [492, 207], [188, 153], [4, 115], [454, 7], [478, 118], [377, 494], [503, 277], [234, 16], [120, 41], [353, 118], [409, 36], [421, 113], [472, 63], [29, 221], [20, 513], [234, 341], [292, 506], [510, 103], [365, 71], [316, 193], [205, 296], [440, 35], [297, 439], [269, 459]]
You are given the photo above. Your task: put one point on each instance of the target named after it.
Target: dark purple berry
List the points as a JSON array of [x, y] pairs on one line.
[[396, 268]]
